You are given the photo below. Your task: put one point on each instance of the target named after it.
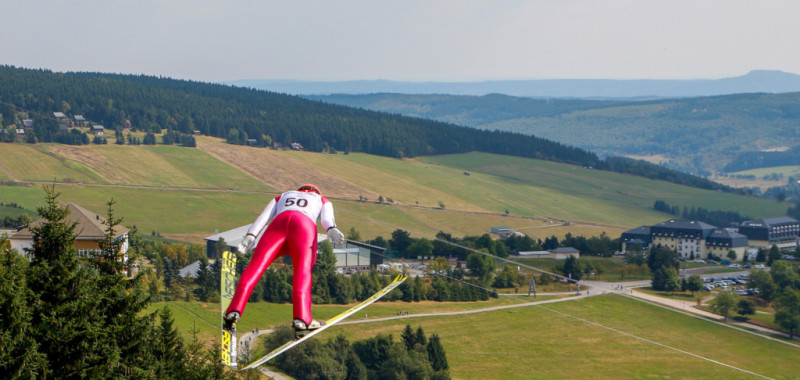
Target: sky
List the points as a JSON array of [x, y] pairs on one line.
[[407, 40]]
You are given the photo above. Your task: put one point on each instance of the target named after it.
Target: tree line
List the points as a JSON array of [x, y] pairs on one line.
[[64, 317], [713, 217], [415, 356], [154, 104], [71, 317]]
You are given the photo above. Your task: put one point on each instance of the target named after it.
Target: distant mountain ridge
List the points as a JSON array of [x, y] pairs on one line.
[[757, 81], [696, 135]]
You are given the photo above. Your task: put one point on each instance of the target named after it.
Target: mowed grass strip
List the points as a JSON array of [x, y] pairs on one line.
[[426, 181], [28, 162], [158, 166]]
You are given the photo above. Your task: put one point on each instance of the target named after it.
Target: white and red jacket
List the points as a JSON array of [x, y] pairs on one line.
[[310, 204]]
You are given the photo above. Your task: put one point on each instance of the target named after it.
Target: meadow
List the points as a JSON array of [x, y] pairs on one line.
[[605, 336], [186, 193]]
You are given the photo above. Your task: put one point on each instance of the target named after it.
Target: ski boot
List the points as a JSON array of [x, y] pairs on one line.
[[301, 328], [229, 322]]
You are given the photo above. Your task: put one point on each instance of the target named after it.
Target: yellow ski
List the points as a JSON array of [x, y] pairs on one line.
[[397, 281], [227, 288]]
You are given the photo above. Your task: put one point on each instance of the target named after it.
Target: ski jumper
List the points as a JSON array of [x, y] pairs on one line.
[[292, 231]]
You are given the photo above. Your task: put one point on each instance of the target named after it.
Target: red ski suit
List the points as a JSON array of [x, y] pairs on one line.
[[292, 231]]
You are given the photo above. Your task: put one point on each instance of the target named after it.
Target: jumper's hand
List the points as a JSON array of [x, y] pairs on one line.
[[246, 244], [335, 236]]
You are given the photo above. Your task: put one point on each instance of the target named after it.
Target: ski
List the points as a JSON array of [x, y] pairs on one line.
[[395, 283], [227, 288]]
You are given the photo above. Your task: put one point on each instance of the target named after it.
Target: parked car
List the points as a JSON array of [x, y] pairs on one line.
[[700, 261], [734, 266], [747, 266], [710, 262], [759, 266]]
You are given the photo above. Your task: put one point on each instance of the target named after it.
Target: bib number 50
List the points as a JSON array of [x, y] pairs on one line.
[[294, 201]]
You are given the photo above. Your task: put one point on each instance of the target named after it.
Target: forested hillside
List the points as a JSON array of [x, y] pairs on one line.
[[153, 104], [695, 135]]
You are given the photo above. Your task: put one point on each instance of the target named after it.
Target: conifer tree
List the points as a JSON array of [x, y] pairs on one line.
[[409, 338], [436, 354], [19, 356]]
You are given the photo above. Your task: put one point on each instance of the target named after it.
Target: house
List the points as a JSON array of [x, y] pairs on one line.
[[503, 232], [296, 146], [127, 124], [20, 131], [27, 123], [80, 120], [252, 142], [59, 116], [562, 253], [353, 256], [764, 233], [89, 231], [98, 130], [231, 239], [190, 270]]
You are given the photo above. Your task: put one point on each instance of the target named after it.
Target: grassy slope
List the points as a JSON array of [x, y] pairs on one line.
[[619, 190], [591, 201], [536, 342]]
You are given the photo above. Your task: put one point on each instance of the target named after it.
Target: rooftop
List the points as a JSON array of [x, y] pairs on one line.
[[88, 225]]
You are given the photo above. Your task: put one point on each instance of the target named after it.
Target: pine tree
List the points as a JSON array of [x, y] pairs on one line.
[[436, 354], [64, 292], [409, 338], [421, 338], [19, 356], [67, 320], [168, 351]]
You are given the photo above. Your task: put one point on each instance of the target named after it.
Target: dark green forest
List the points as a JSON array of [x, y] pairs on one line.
[[755, 160], [155, 104]]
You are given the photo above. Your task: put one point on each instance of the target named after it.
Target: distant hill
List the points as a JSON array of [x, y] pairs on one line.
[[766, 81], [695, 135], [261, 118]]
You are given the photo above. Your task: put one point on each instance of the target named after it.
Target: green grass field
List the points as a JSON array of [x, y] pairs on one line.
[[265, 315], [598, 337], [536, 342], [787, 171], [602, 187], [188, 194]]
